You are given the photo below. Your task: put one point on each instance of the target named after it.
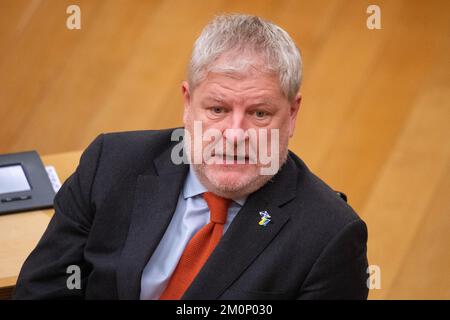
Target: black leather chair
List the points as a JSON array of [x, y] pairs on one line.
[[342, 195]]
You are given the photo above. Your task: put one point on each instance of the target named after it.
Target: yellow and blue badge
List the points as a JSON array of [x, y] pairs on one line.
[[265, 218]]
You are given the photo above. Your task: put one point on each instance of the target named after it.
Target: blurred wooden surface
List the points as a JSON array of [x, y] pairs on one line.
[[20, 232], [374, 121]]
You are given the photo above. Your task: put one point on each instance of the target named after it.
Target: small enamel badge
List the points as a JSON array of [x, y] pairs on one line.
[[265, 218]]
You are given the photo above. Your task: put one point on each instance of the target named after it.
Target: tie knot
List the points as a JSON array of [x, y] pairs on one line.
[[218, 206]]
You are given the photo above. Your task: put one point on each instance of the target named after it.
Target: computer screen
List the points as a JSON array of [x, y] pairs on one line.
[[13, 179]]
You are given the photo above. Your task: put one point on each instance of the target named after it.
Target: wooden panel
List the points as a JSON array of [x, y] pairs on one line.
[[408, 185], [423, 273], [20, 232]]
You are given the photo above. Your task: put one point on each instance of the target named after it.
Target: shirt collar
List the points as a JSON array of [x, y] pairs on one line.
[[193, 187]]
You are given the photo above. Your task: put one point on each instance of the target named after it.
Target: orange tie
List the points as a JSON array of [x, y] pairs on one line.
[[199, 248]]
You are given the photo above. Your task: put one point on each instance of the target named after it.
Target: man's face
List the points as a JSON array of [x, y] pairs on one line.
[[229, 102]]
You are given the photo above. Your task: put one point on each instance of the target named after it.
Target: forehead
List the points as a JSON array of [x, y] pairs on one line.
[[239, 85]]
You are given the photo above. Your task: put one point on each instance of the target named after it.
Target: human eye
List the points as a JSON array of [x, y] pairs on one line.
[[217, 110], [260, 114]]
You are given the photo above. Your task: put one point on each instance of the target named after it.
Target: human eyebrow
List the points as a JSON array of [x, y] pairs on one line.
[[259, 104], [265, 102], [214, 99], [208, 101]]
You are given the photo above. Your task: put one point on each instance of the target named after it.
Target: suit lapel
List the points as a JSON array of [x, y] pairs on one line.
[[155, 202], [245, 238]]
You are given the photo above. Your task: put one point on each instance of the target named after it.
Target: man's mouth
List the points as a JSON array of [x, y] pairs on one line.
[[231, 159]]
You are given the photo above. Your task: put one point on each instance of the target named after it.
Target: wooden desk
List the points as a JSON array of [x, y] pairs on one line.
[[20, 232]]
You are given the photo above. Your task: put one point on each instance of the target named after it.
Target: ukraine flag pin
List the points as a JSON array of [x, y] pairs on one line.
[[265, 218]]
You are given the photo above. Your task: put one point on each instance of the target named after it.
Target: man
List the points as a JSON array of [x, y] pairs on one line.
[[231, 215]]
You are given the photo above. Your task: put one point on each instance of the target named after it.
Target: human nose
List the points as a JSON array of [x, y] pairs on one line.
[[235, 132]]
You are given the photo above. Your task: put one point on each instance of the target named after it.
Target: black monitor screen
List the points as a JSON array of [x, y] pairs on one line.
[[13, 179]]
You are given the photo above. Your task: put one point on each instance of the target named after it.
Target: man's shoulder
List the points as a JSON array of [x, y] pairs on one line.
[[131, 152], [138, 139], [133, 144], [321, 206]]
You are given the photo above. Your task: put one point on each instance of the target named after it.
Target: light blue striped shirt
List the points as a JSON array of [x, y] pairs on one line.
[[191, 214]]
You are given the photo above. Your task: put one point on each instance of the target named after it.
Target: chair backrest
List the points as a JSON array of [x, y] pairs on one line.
[[342, 195]]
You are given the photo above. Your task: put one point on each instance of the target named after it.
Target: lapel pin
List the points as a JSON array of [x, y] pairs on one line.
[[265, 218]]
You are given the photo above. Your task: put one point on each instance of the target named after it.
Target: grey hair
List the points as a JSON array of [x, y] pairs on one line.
[[240, 34]]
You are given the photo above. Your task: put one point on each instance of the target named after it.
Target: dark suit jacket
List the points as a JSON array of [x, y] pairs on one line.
[[112, 212]]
